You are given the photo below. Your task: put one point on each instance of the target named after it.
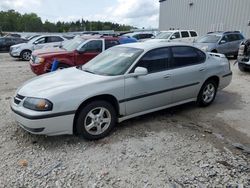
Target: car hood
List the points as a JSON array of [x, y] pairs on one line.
[[54, 83], [157, 40], [209, 46], [50, 51], [23, 45]]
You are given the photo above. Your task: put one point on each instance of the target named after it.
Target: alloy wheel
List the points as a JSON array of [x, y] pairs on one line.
[[208, 93], [26, 56], [97, 121]]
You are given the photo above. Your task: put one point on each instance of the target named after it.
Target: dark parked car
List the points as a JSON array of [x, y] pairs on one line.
[[6, 42], [13, 35]]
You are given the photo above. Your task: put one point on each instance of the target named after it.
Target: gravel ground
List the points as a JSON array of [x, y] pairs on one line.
[[179, 147]]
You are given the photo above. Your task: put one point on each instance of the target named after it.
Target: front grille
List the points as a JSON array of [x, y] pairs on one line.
[[18, 98]]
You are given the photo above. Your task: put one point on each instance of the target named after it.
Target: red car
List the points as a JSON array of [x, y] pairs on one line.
[[72, 53]]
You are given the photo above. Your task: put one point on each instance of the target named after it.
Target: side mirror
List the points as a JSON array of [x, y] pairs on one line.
[[81, 51], [223, 42], [140, 71], [173, 37]]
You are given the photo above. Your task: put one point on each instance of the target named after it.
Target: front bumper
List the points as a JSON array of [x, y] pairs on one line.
[[38, 69], [225, 80], [15, 52], [41, 123]]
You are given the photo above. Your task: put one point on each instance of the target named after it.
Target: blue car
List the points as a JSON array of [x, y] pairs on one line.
[[227, 43], [125, 40]]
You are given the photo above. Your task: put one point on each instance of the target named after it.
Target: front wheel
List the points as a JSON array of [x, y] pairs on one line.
[[25, 55], [96, 120], [207, 93]]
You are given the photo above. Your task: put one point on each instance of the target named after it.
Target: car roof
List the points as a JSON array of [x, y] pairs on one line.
[[223, 32], [152, 45], [86, 37], [137, 33], [50, 35], [177, 30]]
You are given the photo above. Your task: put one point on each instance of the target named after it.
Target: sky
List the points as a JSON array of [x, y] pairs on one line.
[[138, 13]]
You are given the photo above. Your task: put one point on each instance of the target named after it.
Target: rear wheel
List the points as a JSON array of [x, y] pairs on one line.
[[25, 55], [207, 93], [96, 120]]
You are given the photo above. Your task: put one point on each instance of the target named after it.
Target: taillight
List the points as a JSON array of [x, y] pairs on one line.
[[241, 50]]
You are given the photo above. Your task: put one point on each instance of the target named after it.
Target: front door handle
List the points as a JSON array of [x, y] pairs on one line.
[[167, 76], [202, 69]]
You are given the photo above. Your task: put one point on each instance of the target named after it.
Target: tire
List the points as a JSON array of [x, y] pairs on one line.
[[91, 115], [25, 55], [207, 93], [242, 69]]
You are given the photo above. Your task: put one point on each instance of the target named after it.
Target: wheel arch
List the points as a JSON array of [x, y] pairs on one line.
[[25, 50], [215, 78], [105, 97]]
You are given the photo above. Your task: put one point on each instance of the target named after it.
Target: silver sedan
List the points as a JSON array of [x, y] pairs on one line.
[[121, 83]]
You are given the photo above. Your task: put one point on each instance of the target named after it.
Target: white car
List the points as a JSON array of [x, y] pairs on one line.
[[175, 35], [24, 50], [122, 82]]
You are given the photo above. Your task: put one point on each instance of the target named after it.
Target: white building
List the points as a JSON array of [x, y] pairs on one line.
[[206, 15]]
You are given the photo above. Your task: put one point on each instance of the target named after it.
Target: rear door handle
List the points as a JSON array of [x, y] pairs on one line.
[[202, 69]]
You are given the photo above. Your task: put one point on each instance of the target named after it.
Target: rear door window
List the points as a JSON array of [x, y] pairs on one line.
[[186, 56], [193, 34], [239, 37], [155, 60], [54, 39], [184, 34]]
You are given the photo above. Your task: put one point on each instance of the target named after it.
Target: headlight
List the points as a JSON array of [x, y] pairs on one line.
[[204, 48], [39, 60], [15, 48], [38, 104]]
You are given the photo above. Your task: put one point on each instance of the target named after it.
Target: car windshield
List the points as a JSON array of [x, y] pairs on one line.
[[31, 41], [163, 35], [112, 62], [209, 39], [32, 37], [73, 44]]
